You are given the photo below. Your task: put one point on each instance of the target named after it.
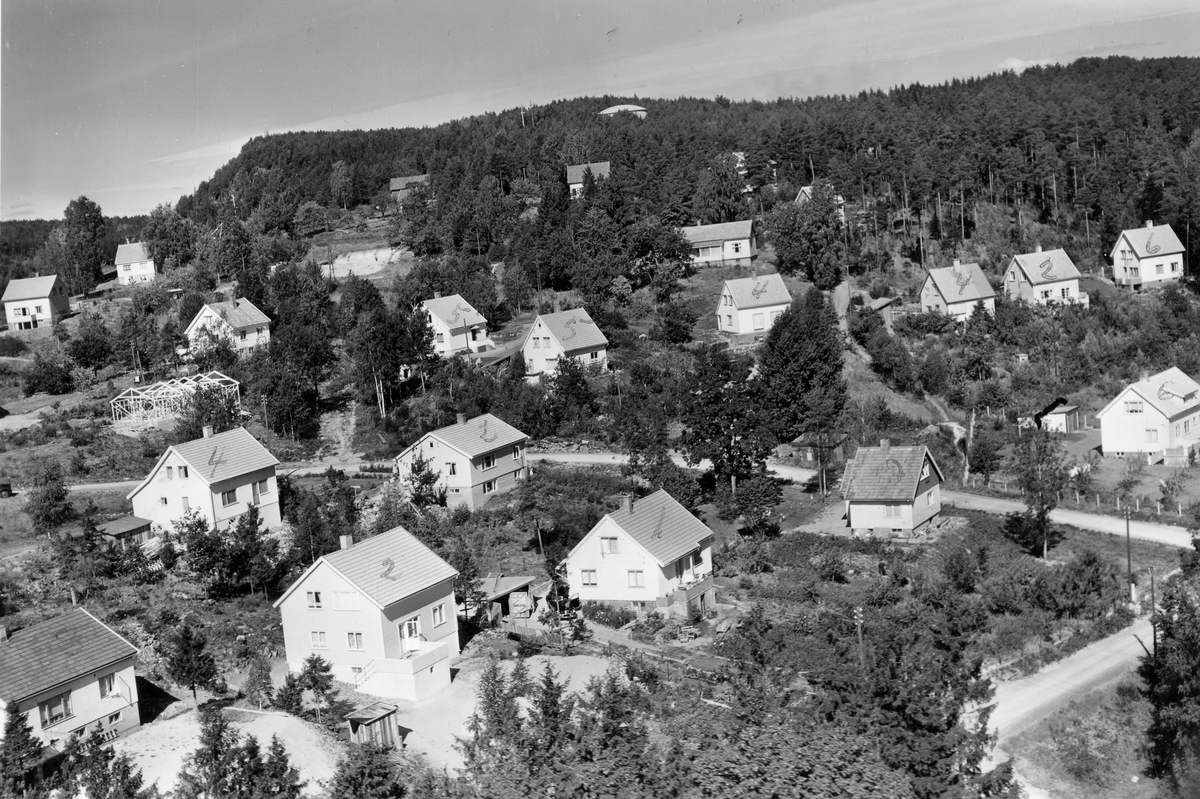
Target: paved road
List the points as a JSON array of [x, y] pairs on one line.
[[122, 485], [793, 473]]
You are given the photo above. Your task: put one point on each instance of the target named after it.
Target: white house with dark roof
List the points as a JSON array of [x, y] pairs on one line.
[[70, 674], [218, 476], [563, 334], [576, 172], [957, 291], [1158, 415], [475, 458], [1147, 256], [401, 188], [724, 244], [891, 488], [237, 321], [748, 307], [457, 327], [133, 264], [33, 302], [1044, 278], [651, 555], [380, 611]]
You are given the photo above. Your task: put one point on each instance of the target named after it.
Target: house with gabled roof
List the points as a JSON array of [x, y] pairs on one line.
[[217, 476], [1044, 278], [563, 334], [401, 188], [380, 611], [651, 555], [1147, 256], [748, 307], [238, 321], [576, 172], [70, 674], [957, 291], [475, 459], [805, 195], [1159, 415], [34, 302], [133, 265], [892, 488], [457, 327], [723, 244]]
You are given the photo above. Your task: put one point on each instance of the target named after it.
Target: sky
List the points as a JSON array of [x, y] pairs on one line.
[[133, 103]]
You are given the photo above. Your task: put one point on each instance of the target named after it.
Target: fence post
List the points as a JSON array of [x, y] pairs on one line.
[[1076, 501], [1159, 504], [1097, 500], [1118, 501], [1137, 503], [1180, 508]]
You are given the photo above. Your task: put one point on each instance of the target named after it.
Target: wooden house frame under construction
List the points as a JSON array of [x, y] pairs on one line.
[[165, 399]]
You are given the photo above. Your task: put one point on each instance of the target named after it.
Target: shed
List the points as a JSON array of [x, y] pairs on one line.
[[508, 595], [1063, 419], [374, 723], [126, 531]]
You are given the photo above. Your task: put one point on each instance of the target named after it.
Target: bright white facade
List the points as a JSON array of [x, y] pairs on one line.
[[1147, 256], [34, 302], [563, 334], [1158, 415], [957, 291], [576, 173], [134, 265], [747, 308], [457, 327], [237, 321], [725, 244], [1044, 278], [476, 459]]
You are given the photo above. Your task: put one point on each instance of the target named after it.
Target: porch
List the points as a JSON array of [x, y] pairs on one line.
[[413, 676]]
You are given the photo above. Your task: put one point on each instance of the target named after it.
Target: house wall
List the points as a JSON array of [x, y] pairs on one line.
[[542, 351], [241, 340], [165, 498], [137, 272], [931, 298], [300, 621], [421, 605], [748, 321], [466, 485], [962, 311], [88, 707], [35, 313], [454, 342], [1016, 287], [731, 252], [1061, 422], [1122, 431], [1149, 271], [926, 505]]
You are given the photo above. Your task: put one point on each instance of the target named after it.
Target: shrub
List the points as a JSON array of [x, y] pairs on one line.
[[608, 615], [11, 346]]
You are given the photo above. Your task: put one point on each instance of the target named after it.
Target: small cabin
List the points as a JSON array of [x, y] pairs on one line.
[[375, 724]]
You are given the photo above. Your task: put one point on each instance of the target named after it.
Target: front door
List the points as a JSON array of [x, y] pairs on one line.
[[410, 635]]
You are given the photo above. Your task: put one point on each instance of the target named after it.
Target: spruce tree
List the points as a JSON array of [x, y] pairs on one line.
[[210, 771], [280, 779], [317, 677], [20, 752], [188, 662], [366, 772], [258, 687], [290, 696]]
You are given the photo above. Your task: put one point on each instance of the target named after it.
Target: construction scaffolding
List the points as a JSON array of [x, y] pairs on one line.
[[146, 405]]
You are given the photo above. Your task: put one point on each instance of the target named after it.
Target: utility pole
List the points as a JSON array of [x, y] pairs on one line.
[[1129, 558], [1153, 625], [858, 624]]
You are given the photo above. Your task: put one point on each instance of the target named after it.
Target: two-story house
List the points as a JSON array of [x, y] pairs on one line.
[[1147, 256], [1044, 278], [381, 612], [475, 458], [33, 302], [70, 674], [651, 555], [134, 265], [457, 327], [237, 321], [576, 173], [748, 307], [1158, 415], [957, 291], [217, 476], [724, 244], [563, 334], [891, 488]]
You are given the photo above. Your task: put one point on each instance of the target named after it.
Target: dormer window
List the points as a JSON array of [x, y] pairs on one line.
[[925, 472]]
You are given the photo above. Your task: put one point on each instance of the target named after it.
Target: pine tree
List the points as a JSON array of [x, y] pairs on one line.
[[20, 752], [317, 676], [550, 724], [280, 779], [188, 662], [366, 772], [258, 687], [211, 771], [290, 696]]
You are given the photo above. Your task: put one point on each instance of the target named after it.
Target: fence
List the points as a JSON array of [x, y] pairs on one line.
[[1111, 503]]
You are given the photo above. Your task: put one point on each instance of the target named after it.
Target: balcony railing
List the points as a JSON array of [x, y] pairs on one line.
[[409, 663]]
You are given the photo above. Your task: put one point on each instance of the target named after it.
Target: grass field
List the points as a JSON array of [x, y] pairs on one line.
[[16, 531]]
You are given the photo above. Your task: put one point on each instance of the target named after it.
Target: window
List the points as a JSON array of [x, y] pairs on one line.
[[1187, 427], [162, 500], [108, 684], [126, 267], [55, 709], [242, 335], [537, 343], [115, 718], [314, 599], [1158, 270], [925, 472], [170, 473], [608, 546], [263, 487], [441, 338], [517, 453], [345, 600], [758, 321], [187, 505], [1012, 276], [1152, 435], [589, 576], [229, 497], [775, 316], [1133, 407], [1046, 294], [637, 579], [546, 342], [183, 472], [638, 606], [354, 642], [1066, 294], [891, 511], [356, 670], [489, 486], [737, 246], [439, 614], [37, 309], [489, 461], [412, 628], [595, 356], [929, 499], [1174, 266], [729, 319], [318, 639], [1133, 271], [451, 468], [456, 491]]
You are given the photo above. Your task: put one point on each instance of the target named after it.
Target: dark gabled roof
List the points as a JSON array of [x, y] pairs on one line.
[[962, 283], [758, 292], [29, 288], [877, 474], [402, 187], [131, 254], [600, 169], [1049, 266], [574, 330], [454, 312], [1151, 240], [123, 525], [662, 526], [45, 655], [720, 232], [477, 436]]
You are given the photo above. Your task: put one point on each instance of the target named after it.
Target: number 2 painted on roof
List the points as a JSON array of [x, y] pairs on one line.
[[388, 565]]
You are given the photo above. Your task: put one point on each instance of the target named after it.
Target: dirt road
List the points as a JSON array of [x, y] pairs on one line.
[[793, 473]]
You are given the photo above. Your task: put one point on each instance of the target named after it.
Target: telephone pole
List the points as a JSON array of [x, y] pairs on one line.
[[858, 625]]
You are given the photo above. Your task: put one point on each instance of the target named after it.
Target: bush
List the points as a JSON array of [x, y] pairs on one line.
[[649, 627], [608, 615], [48, 377], [11, 346]]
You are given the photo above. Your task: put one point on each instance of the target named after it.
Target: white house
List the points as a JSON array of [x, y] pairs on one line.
[[575, 173], [133, 264], [805, 195], [33, 302], [1158, 415], [651, 555], [957, 291], [724, 244], [1147, 256], [71, 674], [218, 476], [563, 334], [381, 612], [237, 321], [1044, 278], [748, 307], [457, 327], [891, 488], [476, 459]]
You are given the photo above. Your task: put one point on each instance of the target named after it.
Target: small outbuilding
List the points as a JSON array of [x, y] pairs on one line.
[[374, 724], [1062, 419], [576, 173]]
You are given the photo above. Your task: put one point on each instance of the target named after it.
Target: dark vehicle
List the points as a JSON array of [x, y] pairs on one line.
[[6, 488]]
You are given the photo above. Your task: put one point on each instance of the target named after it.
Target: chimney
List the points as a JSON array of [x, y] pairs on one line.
[[557, 305], [885, 444], [346, 541], [207, 431], [437, 295], [1037, 248], [956, 262], [1149, 223], [74, 599], [3, 633], [1145, 375], [235, 302], [627, 503], [461, 418]]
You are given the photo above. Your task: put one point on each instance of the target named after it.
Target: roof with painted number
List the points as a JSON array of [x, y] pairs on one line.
[[721, 232], [1150, 241], [962, 283], [758, 292], [386, 568], [600, 169], [1170, 392], [29, 288], [218, 457], [1049, 266], [238, 314], [454, 312], [878, 474], [57, 651], [662, 526], [574, 330], [131, 254], [475, 437]]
